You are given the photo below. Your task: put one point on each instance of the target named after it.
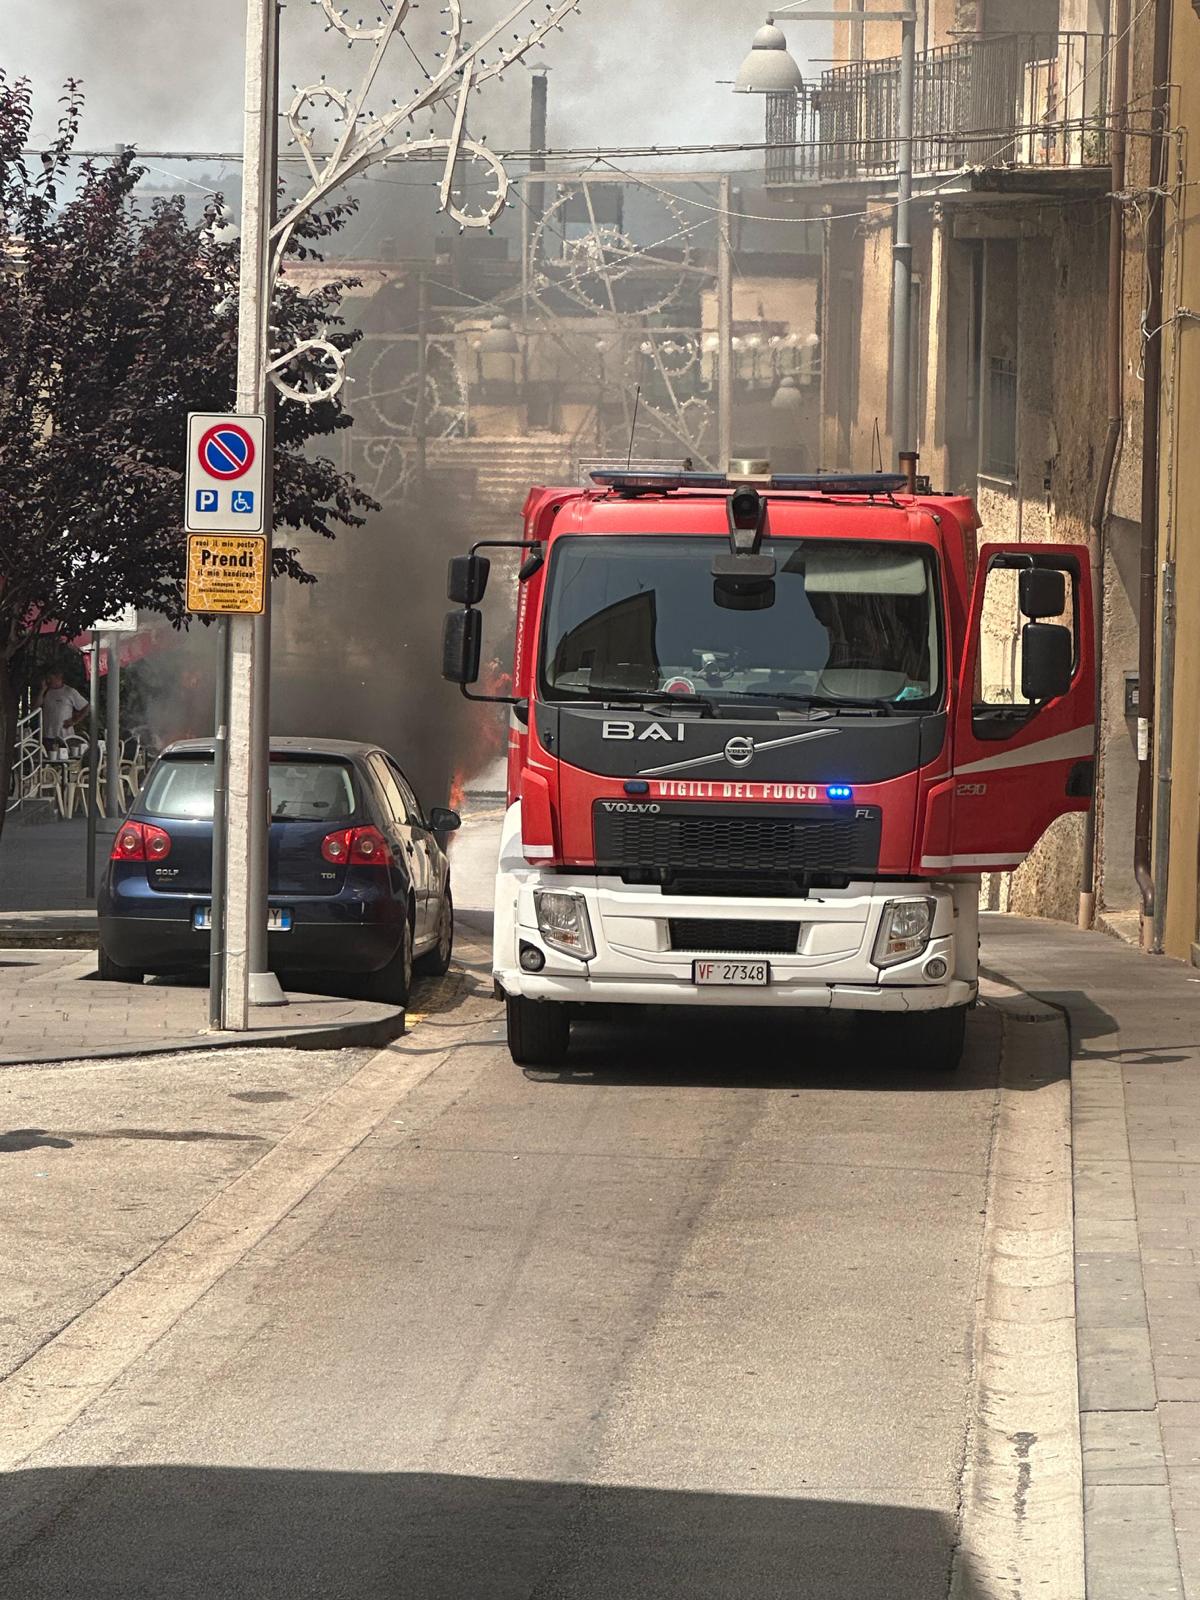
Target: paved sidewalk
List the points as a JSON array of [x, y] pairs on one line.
[[1135, 1032], [53, 1008]]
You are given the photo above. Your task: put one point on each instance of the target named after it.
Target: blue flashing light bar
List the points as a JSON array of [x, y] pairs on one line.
[[634, 482], [838, 791]]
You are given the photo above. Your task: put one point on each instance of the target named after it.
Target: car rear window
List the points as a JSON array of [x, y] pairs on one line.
[[301, 791]]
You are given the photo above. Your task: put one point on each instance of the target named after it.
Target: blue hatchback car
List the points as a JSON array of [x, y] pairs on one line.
[[359, 882]]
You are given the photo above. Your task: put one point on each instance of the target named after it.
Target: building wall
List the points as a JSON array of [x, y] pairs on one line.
[[856, 366], [1180, 493]]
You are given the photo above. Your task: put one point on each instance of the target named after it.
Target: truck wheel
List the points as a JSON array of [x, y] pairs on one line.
[[922, 1041], [539, 1031], [110, 971]]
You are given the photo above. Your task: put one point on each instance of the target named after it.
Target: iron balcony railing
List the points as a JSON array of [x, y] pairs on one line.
[[1011, 99]]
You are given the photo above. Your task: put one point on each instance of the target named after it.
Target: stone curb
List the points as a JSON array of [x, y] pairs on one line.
[[377, 1030], [1022, 1500], [48, 939]]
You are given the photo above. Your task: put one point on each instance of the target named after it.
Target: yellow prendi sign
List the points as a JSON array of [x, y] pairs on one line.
[[226, 574]]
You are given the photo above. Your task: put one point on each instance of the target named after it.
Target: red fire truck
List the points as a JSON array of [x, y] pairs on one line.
[[766, 733]]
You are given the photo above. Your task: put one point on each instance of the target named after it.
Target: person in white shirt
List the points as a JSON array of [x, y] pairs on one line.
[[62, 708]]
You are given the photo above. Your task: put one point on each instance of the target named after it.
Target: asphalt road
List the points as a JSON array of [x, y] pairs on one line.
[[693, 1318]]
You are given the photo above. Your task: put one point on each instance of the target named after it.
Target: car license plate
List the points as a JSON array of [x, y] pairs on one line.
[[752, 974], [279, 919]]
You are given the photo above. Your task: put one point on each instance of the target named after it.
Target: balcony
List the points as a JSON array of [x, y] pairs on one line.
[[1001, 100]]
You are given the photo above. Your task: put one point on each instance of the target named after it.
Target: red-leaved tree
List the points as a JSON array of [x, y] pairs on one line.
[[116, 320]]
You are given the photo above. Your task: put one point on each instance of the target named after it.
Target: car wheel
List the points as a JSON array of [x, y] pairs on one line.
[[392, 984], [539, 1031], [110, 971], [435, 963]]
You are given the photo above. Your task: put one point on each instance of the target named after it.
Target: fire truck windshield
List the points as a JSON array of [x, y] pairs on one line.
[[852, 620]]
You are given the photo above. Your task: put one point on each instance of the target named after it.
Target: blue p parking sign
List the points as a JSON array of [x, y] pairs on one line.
[[207, 499]]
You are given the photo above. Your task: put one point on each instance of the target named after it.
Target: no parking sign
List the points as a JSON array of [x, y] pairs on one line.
[[225, 472]]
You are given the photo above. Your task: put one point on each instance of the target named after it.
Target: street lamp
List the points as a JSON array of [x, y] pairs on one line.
[[500, 340], [787, 396], [499, 350], [769, 68]]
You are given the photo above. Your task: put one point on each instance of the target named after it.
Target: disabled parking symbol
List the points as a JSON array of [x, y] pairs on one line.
[[243, 502], [207, 499]]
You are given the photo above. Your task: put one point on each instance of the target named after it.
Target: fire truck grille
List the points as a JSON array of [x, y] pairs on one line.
[[750, 938], [752, 839]]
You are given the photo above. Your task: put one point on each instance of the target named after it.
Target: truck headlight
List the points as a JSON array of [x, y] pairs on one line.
[[563, 922], [904, 931]]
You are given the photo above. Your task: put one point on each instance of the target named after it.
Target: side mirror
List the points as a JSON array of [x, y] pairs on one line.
[[1041, 592], [1046, 651], [462, 644], [467, 579], [443, 820]]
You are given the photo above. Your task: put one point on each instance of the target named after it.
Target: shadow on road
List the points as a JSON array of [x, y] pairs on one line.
[[196, 1533], [765, 1050]]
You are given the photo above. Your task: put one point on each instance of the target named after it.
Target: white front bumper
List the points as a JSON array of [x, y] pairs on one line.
[[830, 967]]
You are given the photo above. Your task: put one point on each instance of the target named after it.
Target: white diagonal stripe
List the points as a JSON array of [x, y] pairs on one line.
[[1062, 747], [719, 755]]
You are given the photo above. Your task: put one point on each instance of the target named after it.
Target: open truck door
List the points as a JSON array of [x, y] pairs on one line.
[[1024, 732]]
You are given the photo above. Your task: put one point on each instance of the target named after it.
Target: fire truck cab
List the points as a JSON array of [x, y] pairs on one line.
[[766, 733]]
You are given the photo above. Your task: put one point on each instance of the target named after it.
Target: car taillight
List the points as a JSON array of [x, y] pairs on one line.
[[140, 841], [356, 847]]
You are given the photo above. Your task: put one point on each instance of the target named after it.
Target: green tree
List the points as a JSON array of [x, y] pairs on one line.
[[116, 320]]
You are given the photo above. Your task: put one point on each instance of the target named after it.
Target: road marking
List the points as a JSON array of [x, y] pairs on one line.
[[69, 1372]]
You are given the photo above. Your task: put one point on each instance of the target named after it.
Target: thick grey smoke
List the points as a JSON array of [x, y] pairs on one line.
[[357, 655], [168, 73]]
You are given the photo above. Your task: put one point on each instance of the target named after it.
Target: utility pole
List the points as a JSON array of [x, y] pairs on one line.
[[112, 732], [754, 83], [239, 961], [903, 437], [724, 328], [420, 418], [247, 980], [538, 89], [93, 769]]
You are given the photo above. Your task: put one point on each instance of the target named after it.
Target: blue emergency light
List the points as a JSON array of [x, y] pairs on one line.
[[838, 791], [654, 481]]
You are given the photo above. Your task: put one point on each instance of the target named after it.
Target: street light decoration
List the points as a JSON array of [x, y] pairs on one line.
[[770, 67], [364, 137]]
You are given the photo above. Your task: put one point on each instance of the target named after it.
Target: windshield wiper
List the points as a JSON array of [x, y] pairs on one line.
[[832, 702], [651, 698]]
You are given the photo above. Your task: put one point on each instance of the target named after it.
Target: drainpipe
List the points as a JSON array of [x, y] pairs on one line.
[[1113, 364], [1148, 578]]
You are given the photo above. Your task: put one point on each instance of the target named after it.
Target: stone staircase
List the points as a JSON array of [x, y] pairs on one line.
[[487, 479]]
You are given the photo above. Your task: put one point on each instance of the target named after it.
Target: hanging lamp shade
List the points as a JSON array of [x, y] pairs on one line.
[[770, 67]]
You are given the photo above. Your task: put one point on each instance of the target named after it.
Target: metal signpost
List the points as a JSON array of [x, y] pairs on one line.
[[227, 576]]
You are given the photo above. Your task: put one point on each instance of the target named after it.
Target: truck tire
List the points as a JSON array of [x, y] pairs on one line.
[[539, 1031], [921, 1041]]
